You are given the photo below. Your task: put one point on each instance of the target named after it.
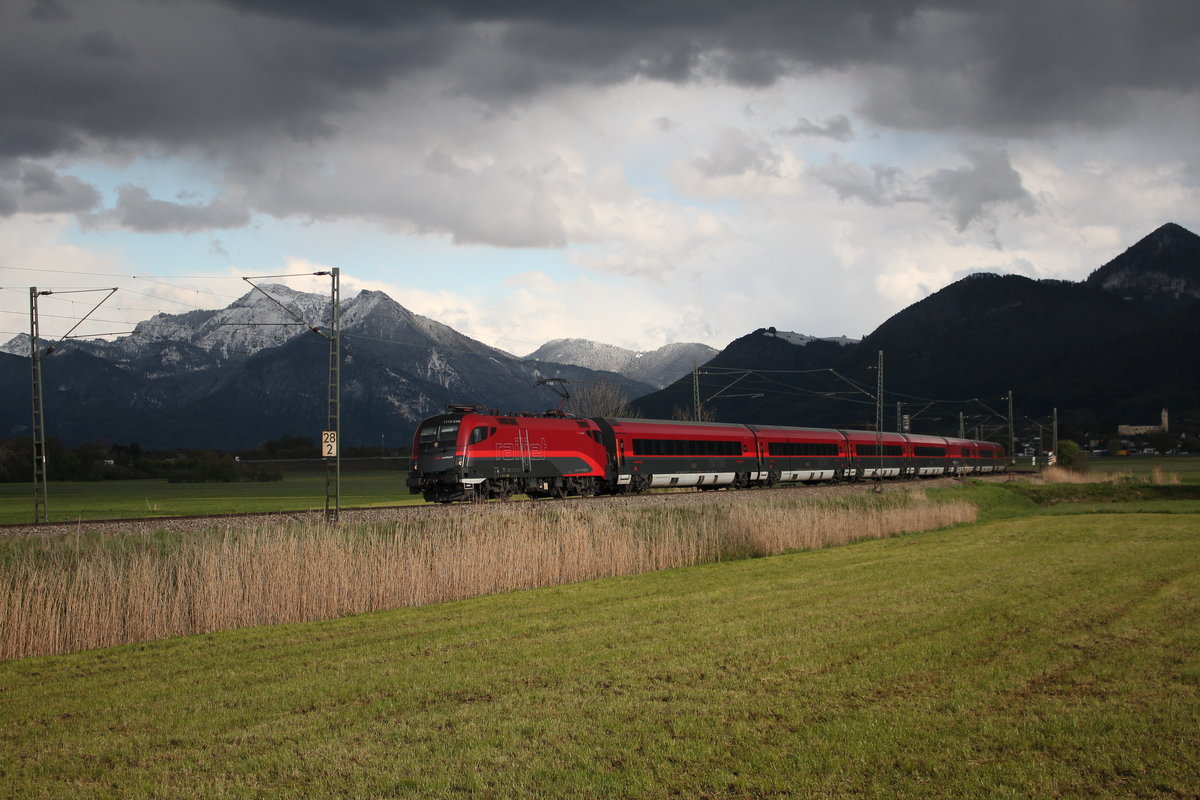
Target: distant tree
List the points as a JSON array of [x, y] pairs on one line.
[[1070, 455], [1114, 445], [16, 460], [1162, 441], [600, 399], [287, 447], [687, 413]]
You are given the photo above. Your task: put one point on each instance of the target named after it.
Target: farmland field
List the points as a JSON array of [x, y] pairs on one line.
[[300, 490], [1187, 467], [1029, 656]]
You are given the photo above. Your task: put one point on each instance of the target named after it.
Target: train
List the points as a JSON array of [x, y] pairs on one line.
[[474, 453]]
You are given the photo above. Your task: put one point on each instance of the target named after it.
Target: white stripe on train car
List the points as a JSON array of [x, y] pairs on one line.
[[806, 475], [692, 479], [887, 472]]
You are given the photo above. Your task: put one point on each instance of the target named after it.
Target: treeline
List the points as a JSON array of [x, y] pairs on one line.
[[98, 461], [101, 460]]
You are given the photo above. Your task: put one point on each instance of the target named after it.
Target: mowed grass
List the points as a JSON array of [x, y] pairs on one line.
[[1026, 657], [298, 491]]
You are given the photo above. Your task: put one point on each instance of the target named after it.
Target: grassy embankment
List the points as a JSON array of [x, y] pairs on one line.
[[1029, 656]]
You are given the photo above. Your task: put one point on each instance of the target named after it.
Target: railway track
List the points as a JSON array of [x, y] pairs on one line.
[[386, 513]]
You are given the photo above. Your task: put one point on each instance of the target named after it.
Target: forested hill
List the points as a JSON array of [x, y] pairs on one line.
[[1120, 346]]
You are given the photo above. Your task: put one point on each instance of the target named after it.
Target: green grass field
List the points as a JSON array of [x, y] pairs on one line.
[[1187, 467], [298, 491], [1029, 656]]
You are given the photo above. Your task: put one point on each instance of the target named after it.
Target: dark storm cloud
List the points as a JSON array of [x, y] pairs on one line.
[[48, 11], [36, 189], [102, 45], [1005, 65], [204, 73], [136, 210], [837, 128], [187, 74], [964, 195], [880, 186], [36, 138], [1020, 66], [970, 193]]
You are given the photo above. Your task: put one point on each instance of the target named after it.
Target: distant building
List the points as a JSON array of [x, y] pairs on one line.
[[1139, 430]]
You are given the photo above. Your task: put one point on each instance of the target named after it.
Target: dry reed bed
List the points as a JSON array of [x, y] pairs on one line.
[[1157, 477], [61, 593]]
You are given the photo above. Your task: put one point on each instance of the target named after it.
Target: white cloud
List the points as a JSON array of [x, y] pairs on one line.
[[33, 253], [661, 202]]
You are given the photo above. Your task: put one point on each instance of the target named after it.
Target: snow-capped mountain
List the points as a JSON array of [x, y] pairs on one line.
[[656, 367], [240, 375], [253, 322]]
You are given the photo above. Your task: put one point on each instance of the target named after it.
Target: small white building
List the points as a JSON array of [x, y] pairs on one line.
[[1139, 430]]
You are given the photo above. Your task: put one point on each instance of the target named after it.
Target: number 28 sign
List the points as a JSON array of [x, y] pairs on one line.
[[329, 444]]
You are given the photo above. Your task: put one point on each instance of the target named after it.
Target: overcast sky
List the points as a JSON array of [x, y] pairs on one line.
[[631, 172]]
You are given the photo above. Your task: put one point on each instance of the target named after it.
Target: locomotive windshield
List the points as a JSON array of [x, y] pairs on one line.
[[439, 435]]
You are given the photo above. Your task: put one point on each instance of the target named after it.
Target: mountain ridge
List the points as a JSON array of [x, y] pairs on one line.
[[235, 377], [1119, 345]]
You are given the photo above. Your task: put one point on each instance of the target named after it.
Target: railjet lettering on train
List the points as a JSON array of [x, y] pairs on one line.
[[473, 453]]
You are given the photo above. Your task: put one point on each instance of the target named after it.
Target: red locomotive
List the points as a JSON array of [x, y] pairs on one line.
[[471, 453]]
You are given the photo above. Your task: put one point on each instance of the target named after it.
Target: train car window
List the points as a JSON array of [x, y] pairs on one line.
[[934, 452], [479, 434], [874, 450], [595, 436], [684, 447], [802, 449], [444, 434]]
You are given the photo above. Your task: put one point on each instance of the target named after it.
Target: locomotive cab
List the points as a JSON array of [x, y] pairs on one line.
[[435, 457], [468, 455]]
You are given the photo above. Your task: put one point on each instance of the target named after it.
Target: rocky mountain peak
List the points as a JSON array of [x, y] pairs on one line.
[[656, 367], [1162, 270]]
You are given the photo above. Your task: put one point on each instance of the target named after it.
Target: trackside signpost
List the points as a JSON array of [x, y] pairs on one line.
[[329, 444]]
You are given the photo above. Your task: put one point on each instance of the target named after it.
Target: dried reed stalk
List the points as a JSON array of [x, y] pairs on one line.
[[60, 595], [1157, 476]]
